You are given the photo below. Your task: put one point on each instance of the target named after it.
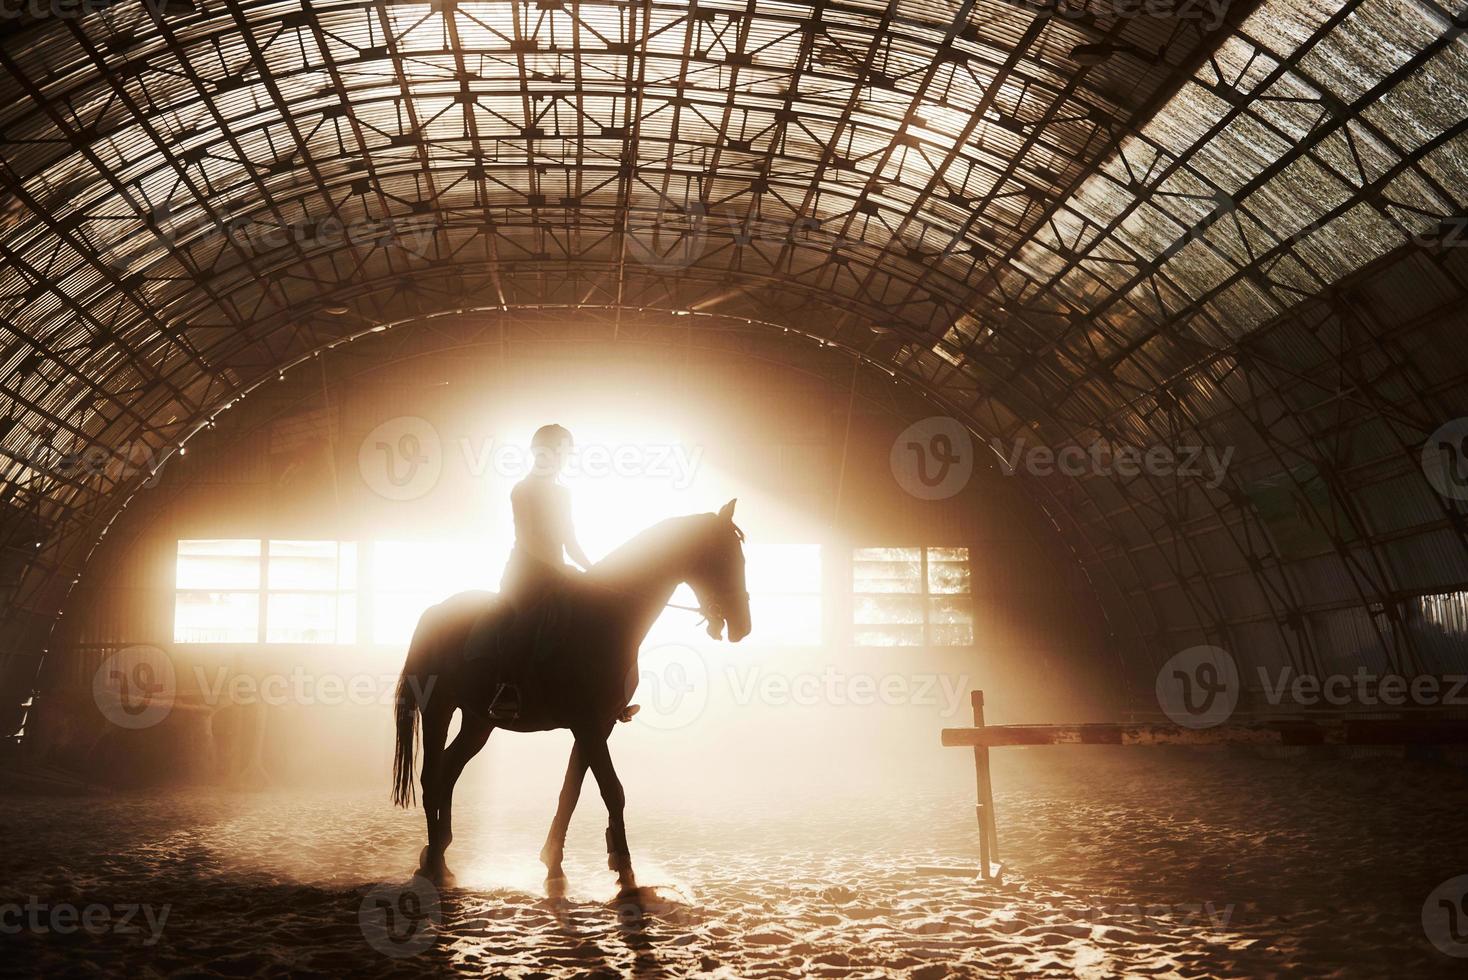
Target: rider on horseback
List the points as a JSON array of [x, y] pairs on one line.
[[543, 529], [537, 572]]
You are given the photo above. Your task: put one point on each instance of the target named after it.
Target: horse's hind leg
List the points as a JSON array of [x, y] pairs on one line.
[[555, 841], [436, 719], [473, 733], [619, 859]]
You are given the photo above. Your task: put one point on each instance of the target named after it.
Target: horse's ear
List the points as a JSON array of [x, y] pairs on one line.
[[727, 511]]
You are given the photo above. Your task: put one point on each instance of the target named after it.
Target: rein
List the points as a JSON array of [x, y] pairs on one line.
[[667, 605], [704, 611]]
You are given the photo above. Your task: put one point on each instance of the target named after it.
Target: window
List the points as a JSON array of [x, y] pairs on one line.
[[911, 597], [218, 599], [311, 592], [308, 591]]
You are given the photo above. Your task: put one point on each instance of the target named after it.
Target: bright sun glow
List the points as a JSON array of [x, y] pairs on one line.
[[624, 476]]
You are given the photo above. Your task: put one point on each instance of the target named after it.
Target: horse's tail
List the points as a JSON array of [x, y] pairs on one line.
[[410, 695]]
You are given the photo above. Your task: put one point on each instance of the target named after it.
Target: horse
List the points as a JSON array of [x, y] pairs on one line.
[[583, 683]]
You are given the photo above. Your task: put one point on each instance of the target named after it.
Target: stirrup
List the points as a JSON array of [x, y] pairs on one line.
[[629, 711], [505, 705]]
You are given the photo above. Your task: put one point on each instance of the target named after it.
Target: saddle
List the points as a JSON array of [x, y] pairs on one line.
[[516, 645], [517, 649]]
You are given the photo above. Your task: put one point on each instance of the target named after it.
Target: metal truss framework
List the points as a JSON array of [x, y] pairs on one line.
[[1061, 224]]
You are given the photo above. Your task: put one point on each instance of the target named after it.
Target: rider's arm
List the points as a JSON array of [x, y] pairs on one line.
[[568, 535]]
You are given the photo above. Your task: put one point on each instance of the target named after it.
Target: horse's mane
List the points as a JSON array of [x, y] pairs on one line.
[[646, 546]]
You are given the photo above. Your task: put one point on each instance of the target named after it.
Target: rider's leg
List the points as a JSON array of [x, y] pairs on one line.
[[504, 638]]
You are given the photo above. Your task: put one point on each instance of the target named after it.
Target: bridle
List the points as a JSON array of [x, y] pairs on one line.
[[710, 610], [714, 608]]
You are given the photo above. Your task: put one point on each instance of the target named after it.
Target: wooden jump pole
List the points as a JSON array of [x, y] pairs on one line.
[[1345, 731], [1420, 730], [984, 808]]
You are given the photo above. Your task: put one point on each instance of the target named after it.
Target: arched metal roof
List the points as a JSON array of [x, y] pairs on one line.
[[1065, 222]]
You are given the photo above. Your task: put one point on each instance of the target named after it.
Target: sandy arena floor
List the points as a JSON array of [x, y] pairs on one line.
[[1120, 864]]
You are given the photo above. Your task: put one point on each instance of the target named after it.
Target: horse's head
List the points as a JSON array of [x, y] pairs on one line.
[[718, 580]]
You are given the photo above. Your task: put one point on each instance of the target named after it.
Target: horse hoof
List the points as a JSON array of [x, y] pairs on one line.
[[438, 877]]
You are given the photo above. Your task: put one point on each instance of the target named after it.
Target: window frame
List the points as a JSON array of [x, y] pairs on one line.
[[262, 593], [924, 594], [337, 594], [257, 592]]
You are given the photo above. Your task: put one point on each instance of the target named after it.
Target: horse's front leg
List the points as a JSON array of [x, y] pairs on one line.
[[619, 858], [555, 841]]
